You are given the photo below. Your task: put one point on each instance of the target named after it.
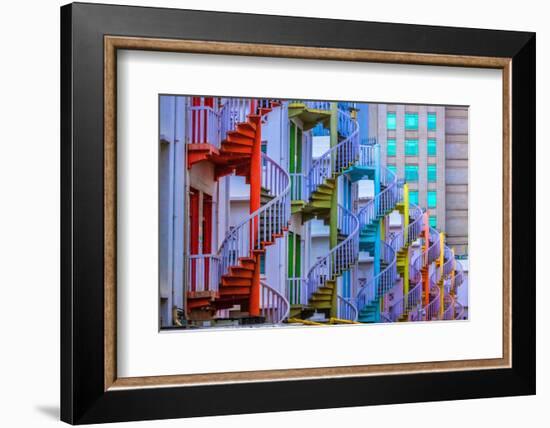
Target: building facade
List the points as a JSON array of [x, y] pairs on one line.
[[262, 220], [427, 146]]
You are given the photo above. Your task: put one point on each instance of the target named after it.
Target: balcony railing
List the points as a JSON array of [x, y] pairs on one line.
[[204, 126], [297, 291], [203, 272], [299, 188]]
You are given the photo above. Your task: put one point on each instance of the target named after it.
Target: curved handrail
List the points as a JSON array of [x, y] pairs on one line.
[[337, 158], [459, 314], [247, 236], [431, 310], [346, 309], [433, 250], [381, 202], [339, 258], [415, 227], [459, 274], [449, 307], [448, 264], [273, 305], [381, 283]]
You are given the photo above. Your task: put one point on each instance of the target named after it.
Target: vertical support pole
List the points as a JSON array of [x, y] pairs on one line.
[[405, 213], [376, 153], [453, 271], [406, 238], [333, 225], [426, 266], [442, 280], [255, 203]]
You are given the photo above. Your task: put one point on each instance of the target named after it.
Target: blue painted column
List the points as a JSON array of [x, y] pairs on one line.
[[377, 246], [363, 120]]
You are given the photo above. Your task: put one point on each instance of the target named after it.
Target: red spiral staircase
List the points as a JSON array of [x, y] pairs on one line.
[[229, 136]]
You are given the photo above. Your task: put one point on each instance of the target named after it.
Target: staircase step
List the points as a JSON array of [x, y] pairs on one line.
[[246, 128], [318, 297], [237, 137], [316, 196], [232, 281], [241, 272], [235, 291], [230, 148]]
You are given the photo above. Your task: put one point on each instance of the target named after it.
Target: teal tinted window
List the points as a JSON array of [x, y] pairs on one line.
[[262, 264], [411, 121], [432, 172], [433, 221], [391, 147], [432, 199], [413, 197], [411, 147], [411, 172], [393, 168], [432, 147], [391, 121], [432, 121]]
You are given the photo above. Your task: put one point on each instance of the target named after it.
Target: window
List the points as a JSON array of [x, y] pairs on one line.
[[432, 173], [432, 120], [411, 147], [411, 121], [413, 197], [393, 168], [391, 121], [262, 264], [411, 172], [391, 147], [433, 221], [432, 147], [432, 199]]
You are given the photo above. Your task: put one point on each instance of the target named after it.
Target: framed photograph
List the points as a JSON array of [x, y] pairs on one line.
[[267, 213]]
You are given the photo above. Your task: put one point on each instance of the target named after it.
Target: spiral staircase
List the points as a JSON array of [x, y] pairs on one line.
[[315, 200], [437, 299], [235, 267]]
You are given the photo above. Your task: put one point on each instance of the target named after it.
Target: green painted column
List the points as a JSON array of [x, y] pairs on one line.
[[333, 227]]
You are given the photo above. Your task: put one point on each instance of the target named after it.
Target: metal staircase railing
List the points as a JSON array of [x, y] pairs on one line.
[[341, 257], [404, 303], [346, 309], [297, 291], [375, 208], [203, 272], [234, 111], [383, 201], [260, 226], [366, 155], [338, 158], [431, 310], [273, 305], [449, 307], [459, 310], [381, 283], [205, 125], [314, 105]]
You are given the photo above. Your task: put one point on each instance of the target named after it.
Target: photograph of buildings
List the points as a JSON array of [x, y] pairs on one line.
[[300, 212]]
